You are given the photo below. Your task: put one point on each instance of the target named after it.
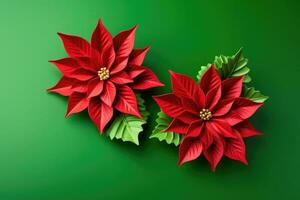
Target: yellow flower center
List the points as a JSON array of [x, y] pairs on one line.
[[205, 114], [103, 73]]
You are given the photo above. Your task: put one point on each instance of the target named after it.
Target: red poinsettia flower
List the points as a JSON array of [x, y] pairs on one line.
[[102, 75], [212, 116]]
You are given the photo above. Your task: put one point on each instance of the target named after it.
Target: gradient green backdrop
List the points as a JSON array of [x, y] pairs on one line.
[[45, 156]]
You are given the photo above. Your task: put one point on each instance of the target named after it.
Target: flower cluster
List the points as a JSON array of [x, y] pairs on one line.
[[101, 76], [211, 116]]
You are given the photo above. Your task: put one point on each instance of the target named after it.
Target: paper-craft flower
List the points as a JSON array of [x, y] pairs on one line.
[[211, 116], [102, 75]]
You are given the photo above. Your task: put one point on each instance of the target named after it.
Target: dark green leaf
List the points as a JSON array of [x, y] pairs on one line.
[[229, 66]]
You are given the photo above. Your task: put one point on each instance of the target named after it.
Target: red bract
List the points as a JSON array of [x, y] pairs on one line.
[[102, 75], [212, 116]]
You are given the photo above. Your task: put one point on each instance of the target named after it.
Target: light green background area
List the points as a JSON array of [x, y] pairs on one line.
[[45, 156]]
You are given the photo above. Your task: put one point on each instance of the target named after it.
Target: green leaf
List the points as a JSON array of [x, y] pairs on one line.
[[235, 65], [202, 70], [127, 127], [254, 95], [232, 66], [229, 66], [163, 122]]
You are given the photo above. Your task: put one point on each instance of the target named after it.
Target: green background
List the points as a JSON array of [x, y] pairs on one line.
[[45, 156]]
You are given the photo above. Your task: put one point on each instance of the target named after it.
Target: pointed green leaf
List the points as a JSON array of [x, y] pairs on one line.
[[202, 70], [247, 79], [232, 66], [229, 66], [241, 72], [254, 95], [163, 122], [127, 127]]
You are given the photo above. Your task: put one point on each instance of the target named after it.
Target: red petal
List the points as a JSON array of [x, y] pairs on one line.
[[77, 103], [189, 105], [124, 42], [119, 65], [87, 63], [75, 46], [146, 80], [169, 104], [223, 107], [221, 128], [212, 97], [184, 86], [95, 87], [215, 152], [232, 118], [126, 101], [100, 113], [206, 138], [187, 117], [177, 126], [245, 108], [232, 87], [210, 79], [103, 42], [190, 149], [246, 129], [80, 86], [72, 69], [109, 93], [101, 38], [121, 78], [82, 75], [67, 66], [137, 56], [108, 57], [235, 149], [134, 70], [97, 58], [195, 128], [63, 87]]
